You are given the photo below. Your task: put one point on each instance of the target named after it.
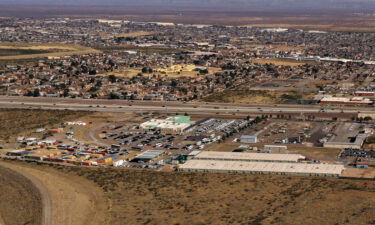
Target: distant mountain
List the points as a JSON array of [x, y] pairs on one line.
[[334, 5]]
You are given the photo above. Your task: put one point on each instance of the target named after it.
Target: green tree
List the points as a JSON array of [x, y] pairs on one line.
[[367, 118], [98, 83], [144, 70], [29, 93], [204, 71], [114, 96], [112, 78], [36, 93]]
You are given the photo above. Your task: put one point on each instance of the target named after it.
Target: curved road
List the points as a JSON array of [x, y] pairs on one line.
[[46, 200]]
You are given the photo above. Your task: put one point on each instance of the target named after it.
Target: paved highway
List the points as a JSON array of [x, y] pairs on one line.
[[152, 106]]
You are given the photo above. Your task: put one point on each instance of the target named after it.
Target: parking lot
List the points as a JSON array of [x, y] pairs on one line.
[[353, 153], [130, 138]]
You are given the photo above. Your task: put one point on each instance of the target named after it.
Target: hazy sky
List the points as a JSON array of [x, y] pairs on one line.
[[355, 5]]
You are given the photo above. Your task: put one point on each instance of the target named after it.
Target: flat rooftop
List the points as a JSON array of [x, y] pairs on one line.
[[244, 156], [263, 167], [149, 154]]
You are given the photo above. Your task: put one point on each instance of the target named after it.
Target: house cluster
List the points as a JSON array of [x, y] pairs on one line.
[[166, 61]]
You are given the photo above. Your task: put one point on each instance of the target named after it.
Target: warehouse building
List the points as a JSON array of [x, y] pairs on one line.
[[346, 101], [240, 167], [249, 157]]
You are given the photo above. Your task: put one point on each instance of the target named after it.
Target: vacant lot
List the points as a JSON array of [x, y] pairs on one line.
[[20, 51], [245, 96], [13, 52], [15, 122], [150, 197], [20, 201], [252, 45], [147, 197], [88, 133], [68, 195], [279, 62]]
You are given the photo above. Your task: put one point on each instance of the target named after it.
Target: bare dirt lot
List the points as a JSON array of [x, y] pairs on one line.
[[245, 96], [279, 62], [74, 200], [15, 122], [355, 172], [89, 134], [21, 51], [13, 52], [134, 196], [20, 200]]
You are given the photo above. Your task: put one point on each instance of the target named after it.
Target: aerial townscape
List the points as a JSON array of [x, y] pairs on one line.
[[187, 115]]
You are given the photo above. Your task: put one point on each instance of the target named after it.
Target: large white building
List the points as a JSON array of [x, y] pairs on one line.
[[246, 167], [173, 124]]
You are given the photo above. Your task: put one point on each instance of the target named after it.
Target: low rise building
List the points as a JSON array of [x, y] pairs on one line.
[[148, 156], [346, 101], [248, 139], [173, 124], [240, 167]]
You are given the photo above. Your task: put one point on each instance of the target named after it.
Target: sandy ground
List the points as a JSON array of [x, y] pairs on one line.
[[21, 200], [1, 221], [147, 197], [61, 50], [45, 196], [362, 173], [74, 200], [278, 62]]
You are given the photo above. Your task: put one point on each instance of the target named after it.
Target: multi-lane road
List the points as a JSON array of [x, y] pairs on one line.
[[170, 106]]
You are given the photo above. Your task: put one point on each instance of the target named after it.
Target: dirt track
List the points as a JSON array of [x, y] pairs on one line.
[[71, 200], [46, 200], [1, 221], [21, 201]]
